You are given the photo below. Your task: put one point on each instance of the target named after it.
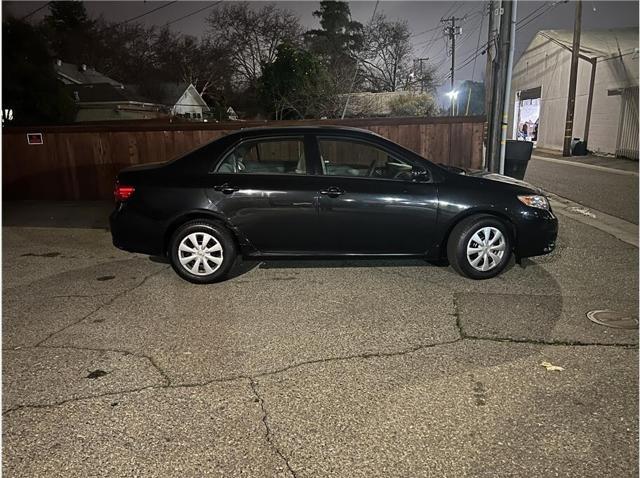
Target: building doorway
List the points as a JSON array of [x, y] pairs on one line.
[[526, 117]]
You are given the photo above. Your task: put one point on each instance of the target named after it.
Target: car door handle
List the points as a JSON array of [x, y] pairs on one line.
[[226, 188], [332, 192]]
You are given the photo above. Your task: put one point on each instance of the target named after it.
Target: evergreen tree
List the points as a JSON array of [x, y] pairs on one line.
[[29, 84]]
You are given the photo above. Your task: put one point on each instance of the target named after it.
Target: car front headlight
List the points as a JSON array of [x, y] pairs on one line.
[[536, 201]]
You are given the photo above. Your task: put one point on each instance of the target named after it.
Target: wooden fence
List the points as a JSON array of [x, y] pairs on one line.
[[81, 161]]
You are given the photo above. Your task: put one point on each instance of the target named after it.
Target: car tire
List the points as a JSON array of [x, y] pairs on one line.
[[202, 251], [471, 254]]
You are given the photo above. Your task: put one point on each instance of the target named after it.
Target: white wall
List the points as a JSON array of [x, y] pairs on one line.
[[190, 103], [547, 64]]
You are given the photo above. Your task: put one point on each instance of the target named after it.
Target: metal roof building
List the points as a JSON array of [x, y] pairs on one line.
[[606, 95]]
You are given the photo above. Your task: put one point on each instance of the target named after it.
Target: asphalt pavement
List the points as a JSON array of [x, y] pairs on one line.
[[113, 366], [604, 184]]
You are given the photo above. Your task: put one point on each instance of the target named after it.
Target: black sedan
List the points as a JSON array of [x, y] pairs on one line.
[[324, 192]]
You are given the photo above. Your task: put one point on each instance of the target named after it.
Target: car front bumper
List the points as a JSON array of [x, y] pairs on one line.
[[537, 232]]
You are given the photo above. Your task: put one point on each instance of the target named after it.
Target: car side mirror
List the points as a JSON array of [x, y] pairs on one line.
[[420, 175]]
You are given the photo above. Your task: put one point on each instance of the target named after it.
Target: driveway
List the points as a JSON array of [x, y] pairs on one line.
[[113, 366], [612, 190]]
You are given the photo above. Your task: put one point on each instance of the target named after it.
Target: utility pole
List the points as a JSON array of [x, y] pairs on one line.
[[573, 79], [420, 60], [506, 104], [488, 72], [488, 81], [452, 31], [501, 12]]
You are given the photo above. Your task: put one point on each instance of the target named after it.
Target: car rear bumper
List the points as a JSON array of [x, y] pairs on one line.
[[134, 232], [537, 232]]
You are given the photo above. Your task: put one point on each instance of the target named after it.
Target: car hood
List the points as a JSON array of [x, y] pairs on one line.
[[501, 178]]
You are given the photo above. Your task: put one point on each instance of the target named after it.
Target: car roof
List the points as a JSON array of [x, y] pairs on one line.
[[320, 129]]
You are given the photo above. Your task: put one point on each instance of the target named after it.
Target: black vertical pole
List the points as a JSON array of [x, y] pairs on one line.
[[573, 80]]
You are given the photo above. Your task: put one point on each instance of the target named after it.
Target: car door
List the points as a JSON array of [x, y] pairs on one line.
[[372, 201], [261, 186]]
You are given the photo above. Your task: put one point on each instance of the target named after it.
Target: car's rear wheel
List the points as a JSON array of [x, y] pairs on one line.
[[479, 247], [202, 251]]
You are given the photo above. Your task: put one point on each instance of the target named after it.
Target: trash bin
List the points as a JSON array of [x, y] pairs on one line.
[[516, 158], [579, 149]]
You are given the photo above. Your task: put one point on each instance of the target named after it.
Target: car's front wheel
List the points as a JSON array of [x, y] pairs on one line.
[[479, 247], [202, 251]]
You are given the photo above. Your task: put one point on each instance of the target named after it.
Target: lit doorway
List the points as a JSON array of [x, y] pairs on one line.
[[526, 117]]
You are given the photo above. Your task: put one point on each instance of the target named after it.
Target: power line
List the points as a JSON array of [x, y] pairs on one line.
[[448, 9], [473, 74], [426, 31], [471, 31], [431, 41], [193, 13], [146, 13], [527, 19], [551, 7], [124, 22], [454, 11], [35, 11], [428, 44], [533, 12]]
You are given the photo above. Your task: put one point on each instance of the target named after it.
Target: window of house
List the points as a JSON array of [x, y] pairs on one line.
[[277, 156], [353, 158]]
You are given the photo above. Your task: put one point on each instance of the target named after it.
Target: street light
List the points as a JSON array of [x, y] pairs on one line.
[[453, 95]]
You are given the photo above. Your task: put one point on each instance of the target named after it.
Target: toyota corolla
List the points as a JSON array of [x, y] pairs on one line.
[[324, 192]]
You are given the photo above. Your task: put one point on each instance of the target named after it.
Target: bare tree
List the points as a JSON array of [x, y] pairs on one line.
[[251, 36], [185, 58], [385, 61]]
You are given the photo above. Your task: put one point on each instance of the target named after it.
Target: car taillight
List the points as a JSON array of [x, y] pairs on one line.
[[122, 192]]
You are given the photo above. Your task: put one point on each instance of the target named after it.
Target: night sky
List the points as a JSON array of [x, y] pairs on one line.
[[422, 16]]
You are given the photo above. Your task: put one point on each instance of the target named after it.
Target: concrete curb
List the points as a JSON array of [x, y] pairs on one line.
[[619, 228], [586, 166]]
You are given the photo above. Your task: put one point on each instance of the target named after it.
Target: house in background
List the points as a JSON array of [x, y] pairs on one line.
[[100, 98], [182, 101], [607, 72], [71, 74], [106, 102]]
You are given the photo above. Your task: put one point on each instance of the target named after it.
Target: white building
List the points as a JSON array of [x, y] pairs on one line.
[[183, 100], [541, 84]]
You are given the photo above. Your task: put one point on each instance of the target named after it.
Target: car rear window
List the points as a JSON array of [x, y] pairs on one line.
[[271, 156]]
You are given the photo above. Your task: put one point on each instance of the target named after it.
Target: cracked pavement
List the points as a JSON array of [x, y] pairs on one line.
[[113, 366]]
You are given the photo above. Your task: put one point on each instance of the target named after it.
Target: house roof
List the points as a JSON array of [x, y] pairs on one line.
[[167, 93], [105, 92], [160, 94], [598, 43], [75, 74]]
